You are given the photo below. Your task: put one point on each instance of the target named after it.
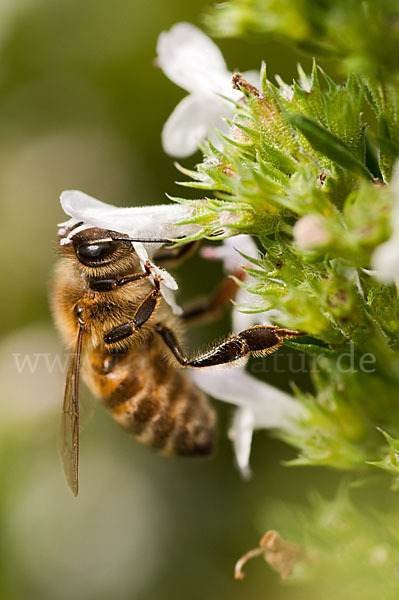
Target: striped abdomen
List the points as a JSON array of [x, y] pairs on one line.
[[154, 401]]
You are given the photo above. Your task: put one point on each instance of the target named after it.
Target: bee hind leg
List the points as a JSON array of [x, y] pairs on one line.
[[259, 340]]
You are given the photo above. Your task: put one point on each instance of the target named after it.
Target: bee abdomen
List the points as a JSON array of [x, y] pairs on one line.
[[194, 429], [164, 409]]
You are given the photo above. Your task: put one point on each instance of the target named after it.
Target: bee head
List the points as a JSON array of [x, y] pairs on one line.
[[96, 247]]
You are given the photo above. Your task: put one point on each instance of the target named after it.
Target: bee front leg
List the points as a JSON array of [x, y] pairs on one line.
[[141, 316], [108, 285], [260, 339], [212, 308]]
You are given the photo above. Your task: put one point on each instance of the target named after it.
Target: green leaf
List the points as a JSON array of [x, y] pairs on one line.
[[328, 144]]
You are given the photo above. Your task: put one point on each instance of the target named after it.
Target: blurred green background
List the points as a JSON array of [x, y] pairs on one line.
[[81, 107]]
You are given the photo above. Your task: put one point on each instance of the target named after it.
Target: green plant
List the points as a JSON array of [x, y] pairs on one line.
[[311, 170]]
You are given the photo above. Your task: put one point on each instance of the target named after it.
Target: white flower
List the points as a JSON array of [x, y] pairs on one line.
[[230, 253], [190, 59], [385, 259], [261, 406], [141, 222]]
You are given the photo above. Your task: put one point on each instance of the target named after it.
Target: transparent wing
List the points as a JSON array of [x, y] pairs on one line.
[[87, 406], [69, 429]]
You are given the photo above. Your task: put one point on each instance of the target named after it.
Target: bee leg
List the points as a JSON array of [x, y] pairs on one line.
[[141, 316], [173, 256], [212, 308], [260, 339], [107, 285]]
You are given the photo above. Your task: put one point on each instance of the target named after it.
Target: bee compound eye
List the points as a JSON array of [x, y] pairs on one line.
[[96, 251]]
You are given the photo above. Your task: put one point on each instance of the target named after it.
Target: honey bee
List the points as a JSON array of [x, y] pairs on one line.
[[127, 343]]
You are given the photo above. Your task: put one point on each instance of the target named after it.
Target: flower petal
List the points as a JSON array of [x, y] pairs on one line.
[[168, 283], [153, 222], [272, 407], [260, 405], [169, 297], [385, 258], [241, 432], [385, 261], [186, 127], [190, 59], [167, 279], [193, 120]]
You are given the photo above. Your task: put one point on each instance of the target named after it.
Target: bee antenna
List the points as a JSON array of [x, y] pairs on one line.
[[144, 240]]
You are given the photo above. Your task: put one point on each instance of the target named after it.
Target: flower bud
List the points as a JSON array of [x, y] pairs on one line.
[[310, 233]]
